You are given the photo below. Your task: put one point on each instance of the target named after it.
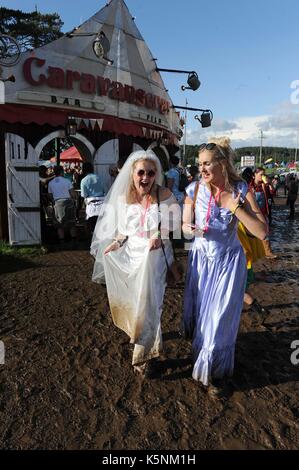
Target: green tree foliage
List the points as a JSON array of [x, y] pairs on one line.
[[191, 154], [279, 154], [32, 29], [49, 150]]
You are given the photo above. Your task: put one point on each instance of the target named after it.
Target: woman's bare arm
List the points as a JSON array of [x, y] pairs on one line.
[[250, 215]]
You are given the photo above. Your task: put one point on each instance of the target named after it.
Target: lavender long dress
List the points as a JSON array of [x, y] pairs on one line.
[[215, 286]]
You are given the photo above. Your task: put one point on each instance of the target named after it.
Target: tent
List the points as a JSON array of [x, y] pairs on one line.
[[71, 155]]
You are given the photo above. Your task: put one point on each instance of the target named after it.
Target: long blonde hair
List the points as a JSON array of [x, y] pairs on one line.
[[224, 155], [132, 192]]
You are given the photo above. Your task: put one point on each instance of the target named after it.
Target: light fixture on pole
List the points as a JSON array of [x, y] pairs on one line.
[[205, 118], [100, 45], [11, 78], [193, 80], [71, 127]]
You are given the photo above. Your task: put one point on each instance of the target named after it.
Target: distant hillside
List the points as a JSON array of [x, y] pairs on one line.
[[278, 154]]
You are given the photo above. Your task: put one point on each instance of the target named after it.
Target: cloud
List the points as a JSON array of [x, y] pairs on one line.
[[280, 129], [222, 125], [283, 121]]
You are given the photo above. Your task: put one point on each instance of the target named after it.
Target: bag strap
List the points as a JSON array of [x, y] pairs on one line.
[[159, 228]]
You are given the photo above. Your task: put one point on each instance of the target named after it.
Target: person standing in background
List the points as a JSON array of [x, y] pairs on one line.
[[292, 195], [173, 179], [64, 204], [92, 190], [263, 195]]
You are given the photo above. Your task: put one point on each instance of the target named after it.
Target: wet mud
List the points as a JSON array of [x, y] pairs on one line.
[[68, 383]]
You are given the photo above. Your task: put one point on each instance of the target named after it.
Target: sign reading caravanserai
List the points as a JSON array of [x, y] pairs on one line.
[[90, 84]]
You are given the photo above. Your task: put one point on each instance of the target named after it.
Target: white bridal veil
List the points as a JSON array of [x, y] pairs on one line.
[[113, 210]]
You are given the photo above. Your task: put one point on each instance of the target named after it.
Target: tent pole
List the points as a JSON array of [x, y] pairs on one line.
[[57, 150]]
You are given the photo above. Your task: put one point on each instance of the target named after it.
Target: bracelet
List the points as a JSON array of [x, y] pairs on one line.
[[239, 206], [156, 234], [120, 242]]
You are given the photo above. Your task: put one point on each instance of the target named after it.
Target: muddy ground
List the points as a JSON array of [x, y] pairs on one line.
[[67, 382]]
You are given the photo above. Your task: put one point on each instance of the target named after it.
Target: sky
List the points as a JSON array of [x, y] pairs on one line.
[[246, 53]]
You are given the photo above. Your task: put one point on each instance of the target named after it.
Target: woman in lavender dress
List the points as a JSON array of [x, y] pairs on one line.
[[216, 274]]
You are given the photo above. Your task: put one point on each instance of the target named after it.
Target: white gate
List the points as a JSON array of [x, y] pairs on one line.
[[106, 155], [23, 200]]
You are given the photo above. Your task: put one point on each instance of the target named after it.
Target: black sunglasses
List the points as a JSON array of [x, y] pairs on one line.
[[211, 146], [149, 173]]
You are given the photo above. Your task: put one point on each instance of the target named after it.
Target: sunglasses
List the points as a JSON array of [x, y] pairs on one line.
[[150, 173], [211, 146]]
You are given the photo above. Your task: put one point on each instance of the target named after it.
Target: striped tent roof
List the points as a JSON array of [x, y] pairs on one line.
[[133, 65]]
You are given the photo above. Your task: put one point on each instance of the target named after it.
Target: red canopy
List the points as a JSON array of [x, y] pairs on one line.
[[69, 155], [40, 115]]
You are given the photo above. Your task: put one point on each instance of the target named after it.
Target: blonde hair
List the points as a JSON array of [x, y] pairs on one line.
[[131, 197], [224, 155]]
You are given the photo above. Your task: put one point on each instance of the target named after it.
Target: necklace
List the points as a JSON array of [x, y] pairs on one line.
[[216, 201]]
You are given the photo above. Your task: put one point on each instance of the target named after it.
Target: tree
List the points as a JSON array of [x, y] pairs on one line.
[[32, 29], [49, 150]]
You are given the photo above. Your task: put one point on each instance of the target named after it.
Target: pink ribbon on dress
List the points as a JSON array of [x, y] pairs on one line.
[[143, 216]]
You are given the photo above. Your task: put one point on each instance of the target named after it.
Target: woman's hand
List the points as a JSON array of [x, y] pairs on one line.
[[155, 244], [112, 247], [192, 230], [188, 229], [231, 202]]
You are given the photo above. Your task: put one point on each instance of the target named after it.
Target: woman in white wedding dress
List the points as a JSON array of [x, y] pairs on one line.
[[130, 244]]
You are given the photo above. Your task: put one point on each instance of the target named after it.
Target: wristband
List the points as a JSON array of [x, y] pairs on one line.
[[236, 208], [120, 242], [156, 234]]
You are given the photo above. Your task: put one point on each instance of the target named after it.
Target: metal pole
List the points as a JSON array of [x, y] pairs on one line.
[[261, 148], [57, 150], [192, 109], [158, 69], [185, 136], [296, 147]]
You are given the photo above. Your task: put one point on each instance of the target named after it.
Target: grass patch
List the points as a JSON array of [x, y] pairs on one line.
[[6, 249]]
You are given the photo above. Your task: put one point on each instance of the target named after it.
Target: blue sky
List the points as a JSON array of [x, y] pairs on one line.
[[245, 52]]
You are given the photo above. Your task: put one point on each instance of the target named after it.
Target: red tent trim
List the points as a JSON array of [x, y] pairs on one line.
[[41, 115]]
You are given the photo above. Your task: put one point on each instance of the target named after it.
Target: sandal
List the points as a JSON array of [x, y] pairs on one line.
[[263, 312], [140, 369], [147, 370], [219, 389]]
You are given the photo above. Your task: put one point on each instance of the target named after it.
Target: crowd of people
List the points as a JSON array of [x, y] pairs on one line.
[[224, 216], [64, 192]]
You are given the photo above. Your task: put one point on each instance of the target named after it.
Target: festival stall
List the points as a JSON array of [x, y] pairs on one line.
[[99, 86]]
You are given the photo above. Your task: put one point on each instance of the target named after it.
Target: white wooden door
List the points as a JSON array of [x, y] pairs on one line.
[[23, 200], [106, 155]]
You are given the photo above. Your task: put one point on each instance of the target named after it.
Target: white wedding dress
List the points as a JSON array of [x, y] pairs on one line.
[[135, 277]]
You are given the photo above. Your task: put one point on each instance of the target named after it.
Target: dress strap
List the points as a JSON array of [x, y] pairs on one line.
[[195, 193]]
